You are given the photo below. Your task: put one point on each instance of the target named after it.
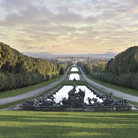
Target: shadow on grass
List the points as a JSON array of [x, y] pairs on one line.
[[60, 124], [51, 131], [121, 119]]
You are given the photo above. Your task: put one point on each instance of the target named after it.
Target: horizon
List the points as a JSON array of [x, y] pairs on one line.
[[70, 54], [69, 27]]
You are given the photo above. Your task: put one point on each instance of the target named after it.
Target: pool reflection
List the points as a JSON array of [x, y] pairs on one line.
[[63, 92], [75, 76], [74, 69]]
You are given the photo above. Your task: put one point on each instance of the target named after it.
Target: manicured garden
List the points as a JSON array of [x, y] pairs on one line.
[[29, 124], [36, 124]]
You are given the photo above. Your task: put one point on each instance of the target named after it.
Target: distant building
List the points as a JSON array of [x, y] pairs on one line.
[[74, 59]]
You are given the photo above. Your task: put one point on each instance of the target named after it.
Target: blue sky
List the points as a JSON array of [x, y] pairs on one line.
[[69, 26]]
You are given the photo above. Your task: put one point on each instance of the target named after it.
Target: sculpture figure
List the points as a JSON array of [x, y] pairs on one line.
[[81, 95], [28, 102], [74, 79], [76, 100], [108, 99]]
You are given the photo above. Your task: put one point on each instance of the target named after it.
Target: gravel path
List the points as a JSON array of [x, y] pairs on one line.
[[32, 93], [108, 90]]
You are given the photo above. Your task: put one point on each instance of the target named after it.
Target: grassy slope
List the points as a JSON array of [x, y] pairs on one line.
[[27, 89], [28, 124], [116, 87]]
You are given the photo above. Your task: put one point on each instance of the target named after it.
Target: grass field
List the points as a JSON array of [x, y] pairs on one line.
[[74, 82], [29, 124], [74, 72]]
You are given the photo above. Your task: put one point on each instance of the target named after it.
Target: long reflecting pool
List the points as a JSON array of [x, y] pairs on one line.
[[73, 76], [74, 69], [63, 92]]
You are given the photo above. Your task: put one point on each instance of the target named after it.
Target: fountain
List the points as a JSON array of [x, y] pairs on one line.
[[77, 99], [74, 77], [74, 69]]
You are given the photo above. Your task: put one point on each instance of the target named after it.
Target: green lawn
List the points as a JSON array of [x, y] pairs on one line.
[[116, 87], [74, 72], [74, 82], [29, 124], [27, 89]]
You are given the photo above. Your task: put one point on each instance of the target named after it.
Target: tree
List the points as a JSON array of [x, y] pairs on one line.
[[88, 67], [18, 70]]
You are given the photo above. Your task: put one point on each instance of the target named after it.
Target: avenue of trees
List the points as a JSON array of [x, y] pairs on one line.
[[121, 70], [18, 70]]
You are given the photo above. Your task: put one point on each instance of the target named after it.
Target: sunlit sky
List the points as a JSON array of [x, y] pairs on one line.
[[69, 26]]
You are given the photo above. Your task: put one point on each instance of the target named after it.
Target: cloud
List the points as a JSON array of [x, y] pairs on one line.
[[92, 1], [111, 49], [130, 2], [54, 46], [91, 20], [31, 15], [31, 47], [68, 24], [62, 9], [10, 7], [67, 18], [42, 47]]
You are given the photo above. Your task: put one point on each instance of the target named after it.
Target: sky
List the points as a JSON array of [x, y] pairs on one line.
[[69, 26]]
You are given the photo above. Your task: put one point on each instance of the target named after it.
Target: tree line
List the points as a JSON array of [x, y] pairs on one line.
[[121, 70], [18, 70]]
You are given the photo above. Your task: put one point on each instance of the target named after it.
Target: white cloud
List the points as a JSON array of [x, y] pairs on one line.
[[31, 47], [69, 23]]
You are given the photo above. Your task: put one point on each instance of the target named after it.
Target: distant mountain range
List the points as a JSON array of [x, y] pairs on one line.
[[38, 55], [49, 55], [106, 55]]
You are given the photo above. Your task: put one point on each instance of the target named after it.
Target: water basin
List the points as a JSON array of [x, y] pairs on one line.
[[63, 92], [74, 69], [73, 76]]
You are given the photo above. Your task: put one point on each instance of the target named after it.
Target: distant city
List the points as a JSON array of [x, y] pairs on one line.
[[73, 58]]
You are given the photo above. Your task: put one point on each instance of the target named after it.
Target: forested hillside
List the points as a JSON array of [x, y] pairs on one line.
[[125, 62], [18, 70], [121, 70]]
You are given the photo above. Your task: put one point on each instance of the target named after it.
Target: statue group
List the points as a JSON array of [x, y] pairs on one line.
[[75, 100]]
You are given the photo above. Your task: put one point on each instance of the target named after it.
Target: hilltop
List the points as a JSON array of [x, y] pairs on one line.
[[125, 62], [18, 70], [121, 70]]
